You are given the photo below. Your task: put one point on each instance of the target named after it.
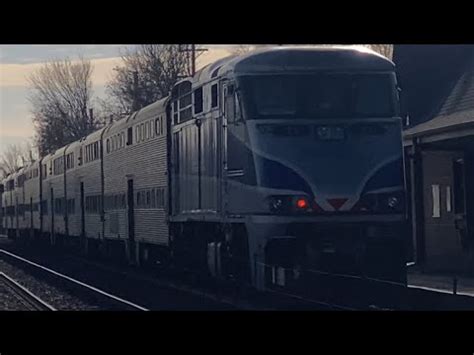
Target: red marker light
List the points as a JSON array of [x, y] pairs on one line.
[[302, 203]]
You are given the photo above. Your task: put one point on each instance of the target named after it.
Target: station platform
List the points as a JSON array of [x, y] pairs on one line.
[[440, 282]]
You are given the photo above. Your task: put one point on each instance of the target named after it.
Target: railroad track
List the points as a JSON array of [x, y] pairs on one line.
[[224, 294], [228, 295], [79, 288], [28, 298]]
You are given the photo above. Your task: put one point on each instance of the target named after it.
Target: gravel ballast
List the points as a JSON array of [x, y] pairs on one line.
[[59, 299]]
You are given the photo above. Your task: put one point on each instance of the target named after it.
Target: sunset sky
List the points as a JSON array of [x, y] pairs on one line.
[[18, 61]]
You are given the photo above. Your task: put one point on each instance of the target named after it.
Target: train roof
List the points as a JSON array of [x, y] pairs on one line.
[[17, 173], [60, 151], [142, 114], [295, 58]]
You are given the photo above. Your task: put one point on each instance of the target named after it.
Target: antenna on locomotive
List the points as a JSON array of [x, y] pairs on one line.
[[192, 53]]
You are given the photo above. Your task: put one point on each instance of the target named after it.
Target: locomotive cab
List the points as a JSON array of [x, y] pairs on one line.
[[314, 160]]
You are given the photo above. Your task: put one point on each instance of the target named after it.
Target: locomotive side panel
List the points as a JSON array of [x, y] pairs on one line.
[[209, 164], [196, 151]]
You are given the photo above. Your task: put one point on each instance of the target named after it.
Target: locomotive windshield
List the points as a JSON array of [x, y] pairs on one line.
[[319, 96]]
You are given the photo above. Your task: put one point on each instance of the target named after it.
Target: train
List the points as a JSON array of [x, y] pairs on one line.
[[258, 166]]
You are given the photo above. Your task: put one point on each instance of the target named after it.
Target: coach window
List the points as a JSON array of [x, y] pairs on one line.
[[148, 199], [108, 145], [157, 126], [214, 96], [152, 129], [198, 106], [142, 132], [139, 195], [122, 139], [79, 158], [153, 198], [130, 136], [147, 130]]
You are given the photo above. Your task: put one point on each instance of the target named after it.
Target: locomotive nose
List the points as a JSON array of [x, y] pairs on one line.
[[337, 203]]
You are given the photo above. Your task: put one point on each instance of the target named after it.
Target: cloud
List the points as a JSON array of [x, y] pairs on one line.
[[17, 74], [27, 54], [15, 120], [214, 53]]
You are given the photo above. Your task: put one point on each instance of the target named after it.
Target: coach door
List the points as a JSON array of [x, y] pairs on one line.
[[31, 216], [444, 210], [17, 214], [52, 216], [130, 212], [83, 213]]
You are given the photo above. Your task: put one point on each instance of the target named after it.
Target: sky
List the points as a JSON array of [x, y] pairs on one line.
[[18, 61]]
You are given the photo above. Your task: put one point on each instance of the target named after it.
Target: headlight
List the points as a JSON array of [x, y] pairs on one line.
[[291, 204], [381, 203], [392, 201]]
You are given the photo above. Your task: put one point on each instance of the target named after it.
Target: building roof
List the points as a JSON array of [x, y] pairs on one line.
[[455, 109], [428, 74]]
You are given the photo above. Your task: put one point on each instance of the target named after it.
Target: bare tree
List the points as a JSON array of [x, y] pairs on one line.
[[16, 156], [147, 74], [60, 98]]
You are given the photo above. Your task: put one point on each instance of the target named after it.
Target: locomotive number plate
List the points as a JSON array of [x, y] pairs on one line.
[[330, 133]]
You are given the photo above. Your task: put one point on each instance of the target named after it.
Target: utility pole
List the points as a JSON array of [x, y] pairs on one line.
[[135, 91], [91, 117], [191, 55]]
